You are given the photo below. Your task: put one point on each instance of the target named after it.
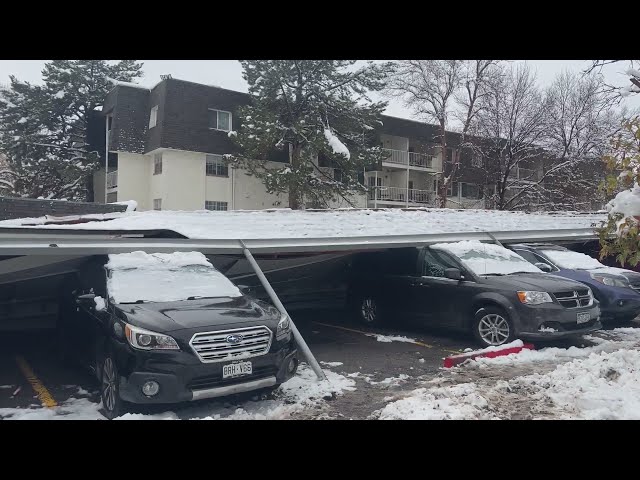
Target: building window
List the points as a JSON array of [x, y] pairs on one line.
[[157, 164], [452, 189], [153, 117], [219, 120], [157, 204], [477, 160], [472, 191], [215, 205], [216, 166]]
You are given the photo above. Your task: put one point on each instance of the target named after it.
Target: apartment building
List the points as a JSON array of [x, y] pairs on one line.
[[166, 145]]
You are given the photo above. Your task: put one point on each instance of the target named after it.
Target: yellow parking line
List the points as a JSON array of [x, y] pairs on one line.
[[426, 345], [43, 394]]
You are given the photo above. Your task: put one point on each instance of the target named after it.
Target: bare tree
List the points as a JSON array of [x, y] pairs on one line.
[[632, 73], [437, 90], [510, 125]]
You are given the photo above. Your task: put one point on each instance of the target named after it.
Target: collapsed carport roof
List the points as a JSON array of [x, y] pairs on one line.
[[38, 247], [284, 231]]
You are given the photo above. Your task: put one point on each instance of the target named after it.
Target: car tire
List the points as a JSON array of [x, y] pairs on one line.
[[112, 405], [367, 310], [492, 327]]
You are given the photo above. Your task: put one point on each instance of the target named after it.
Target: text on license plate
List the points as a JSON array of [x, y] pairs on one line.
[[584, 317], [242, 368]]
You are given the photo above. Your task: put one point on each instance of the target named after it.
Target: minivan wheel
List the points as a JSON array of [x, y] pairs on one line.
[[110, 389], [368, 310], [492, 327]]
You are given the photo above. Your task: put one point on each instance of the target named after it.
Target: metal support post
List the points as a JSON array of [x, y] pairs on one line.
[[302, 345]]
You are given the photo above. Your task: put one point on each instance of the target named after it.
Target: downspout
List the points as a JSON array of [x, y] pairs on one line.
[[106, 156]]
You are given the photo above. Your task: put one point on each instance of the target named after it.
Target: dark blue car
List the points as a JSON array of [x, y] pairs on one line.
[[617, 289]]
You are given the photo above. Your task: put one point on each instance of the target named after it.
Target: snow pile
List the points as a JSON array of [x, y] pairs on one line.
[[335, 143], [627, 203], [165, 277], [487, 258], [390, 381], [457, 402], [601, 386], [72, 409], [390, 338], [132, 205], [100, 303], [321, 224], [497, 348]]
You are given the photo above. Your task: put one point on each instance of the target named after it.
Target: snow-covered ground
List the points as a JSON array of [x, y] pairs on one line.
[[284, 223], [601, 381], [303, 392]]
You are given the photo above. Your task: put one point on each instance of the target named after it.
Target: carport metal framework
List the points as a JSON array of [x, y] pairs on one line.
[[26, 248]]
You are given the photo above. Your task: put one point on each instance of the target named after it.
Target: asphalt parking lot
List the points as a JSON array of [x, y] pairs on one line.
[[31, 375]]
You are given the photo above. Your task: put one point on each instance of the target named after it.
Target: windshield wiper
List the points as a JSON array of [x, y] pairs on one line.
[[515, 273], [493, 274], [131, 303], [197, 297]]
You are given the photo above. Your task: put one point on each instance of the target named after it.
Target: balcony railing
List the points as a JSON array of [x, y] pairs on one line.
[[524, 174], [413, 159], [112, 179], [399, 194]]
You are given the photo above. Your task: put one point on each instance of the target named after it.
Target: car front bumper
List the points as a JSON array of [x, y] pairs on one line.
[[552, 321], [185, 383]]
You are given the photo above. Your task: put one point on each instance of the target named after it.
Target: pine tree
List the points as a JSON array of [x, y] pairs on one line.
[[43, 128], [311, 109]]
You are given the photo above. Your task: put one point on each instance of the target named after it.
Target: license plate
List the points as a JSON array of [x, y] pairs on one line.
[[584, 317], [237, 369]]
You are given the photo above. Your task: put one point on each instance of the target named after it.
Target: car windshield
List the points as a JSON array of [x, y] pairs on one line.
[[487, 259], [139, 277], [572, 260]]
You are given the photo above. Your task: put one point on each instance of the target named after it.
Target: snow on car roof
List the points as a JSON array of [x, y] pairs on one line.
[[285, 223], [164, 261]]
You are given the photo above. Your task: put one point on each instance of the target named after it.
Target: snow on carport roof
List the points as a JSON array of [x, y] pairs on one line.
[[288, 224]]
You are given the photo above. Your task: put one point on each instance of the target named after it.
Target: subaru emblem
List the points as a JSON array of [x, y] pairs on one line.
[[234, 338]]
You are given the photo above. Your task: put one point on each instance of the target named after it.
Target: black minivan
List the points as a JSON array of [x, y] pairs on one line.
[[169, 328], [471, 286]]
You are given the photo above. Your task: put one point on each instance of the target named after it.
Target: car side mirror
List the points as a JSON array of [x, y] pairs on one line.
[[245, 289], [545, 267], [453, 274], [85, 298]]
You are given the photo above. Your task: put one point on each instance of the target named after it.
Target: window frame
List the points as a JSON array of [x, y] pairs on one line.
[[153, 115], [157, 160], [220, 202], [220, 163], [159, 200], [217, 110]]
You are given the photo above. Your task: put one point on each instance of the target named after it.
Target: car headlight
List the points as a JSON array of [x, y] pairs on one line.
[[284, 327], [146, 340], [534, 298], [610, 280]]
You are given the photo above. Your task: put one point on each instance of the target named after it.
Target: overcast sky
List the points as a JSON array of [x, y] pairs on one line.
[[228, 74]]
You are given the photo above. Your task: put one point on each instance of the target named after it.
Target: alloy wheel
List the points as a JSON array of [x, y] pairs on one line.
[[109, 391], [369, 309], [494, 329]]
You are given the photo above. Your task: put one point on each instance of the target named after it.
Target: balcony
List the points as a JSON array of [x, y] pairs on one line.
[[399, 195], [112, 179], [524, 175], [411, 159]]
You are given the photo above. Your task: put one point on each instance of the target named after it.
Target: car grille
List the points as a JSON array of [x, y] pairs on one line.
[[574, 299], [212, 381], [216, 347]]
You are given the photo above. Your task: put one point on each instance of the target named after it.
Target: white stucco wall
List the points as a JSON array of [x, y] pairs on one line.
[[250, 193], [183, 180], [134, 172]]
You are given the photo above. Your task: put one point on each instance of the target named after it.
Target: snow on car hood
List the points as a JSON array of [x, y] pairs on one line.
[[579, 261]]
